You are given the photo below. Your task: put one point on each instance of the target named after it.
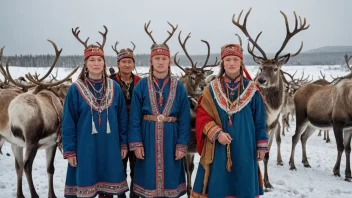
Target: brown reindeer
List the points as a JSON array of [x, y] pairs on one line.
[[194, 82], [289, 106], [322, 81], [31, 120], [271, 82], [335, 98]]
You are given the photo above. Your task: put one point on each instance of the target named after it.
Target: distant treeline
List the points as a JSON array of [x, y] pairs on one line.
[[332, 58]]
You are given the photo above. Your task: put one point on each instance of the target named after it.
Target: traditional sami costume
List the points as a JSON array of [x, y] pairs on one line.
[[94, 129], [236, 107]]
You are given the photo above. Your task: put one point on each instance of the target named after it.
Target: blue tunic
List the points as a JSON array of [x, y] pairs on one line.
[[99, 164], [248, 132], [159, 174]]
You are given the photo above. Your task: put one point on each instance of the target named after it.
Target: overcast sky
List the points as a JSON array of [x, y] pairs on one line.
[[26, 24]]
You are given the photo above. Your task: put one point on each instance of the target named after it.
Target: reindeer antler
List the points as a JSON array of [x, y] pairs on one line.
[[149, 33], [183, 45], [347, 59], [104, 37], [177, 63], [76, 34], [170, 33], [216, 63], [240, 39], [115, 48], [134, 46], [322, 75], [290, 34], [243, 28], [9, 77], [57, 55], [45, 85]]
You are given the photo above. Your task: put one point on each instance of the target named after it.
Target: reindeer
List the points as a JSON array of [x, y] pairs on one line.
[[289, 106], [271, 82], [335, 98], [194, 82], [31, 120], [322, 81]]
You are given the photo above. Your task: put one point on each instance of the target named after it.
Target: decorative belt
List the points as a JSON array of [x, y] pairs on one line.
[[159, 118]]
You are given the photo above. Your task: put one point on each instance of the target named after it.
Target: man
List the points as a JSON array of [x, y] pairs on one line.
[[127, 81]]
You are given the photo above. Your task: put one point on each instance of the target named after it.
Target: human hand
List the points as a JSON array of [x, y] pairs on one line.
[[72, 161], [123, 153], [261, 154], [179, 155], [224, 138], [139, 152]]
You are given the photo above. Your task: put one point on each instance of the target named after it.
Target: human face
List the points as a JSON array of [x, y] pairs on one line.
[[161, 64], [126, 66], [232, 65], [95, 66]]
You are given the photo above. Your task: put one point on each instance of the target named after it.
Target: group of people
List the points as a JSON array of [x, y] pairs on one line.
[[111, 119]]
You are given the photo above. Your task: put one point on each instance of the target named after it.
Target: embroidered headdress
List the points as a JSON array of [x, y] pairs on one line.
[[163, 48], [124, 53], [94, 50]]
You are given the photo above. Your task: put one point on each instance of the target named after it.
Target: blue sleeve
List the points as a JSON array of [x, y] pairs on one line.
[[183, 119], [122, 116], [134, 133], [69, 122], [259, 118]]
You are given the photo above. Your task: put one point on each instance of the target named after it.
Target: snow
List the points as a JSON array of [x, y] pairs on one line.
[[317, 181]]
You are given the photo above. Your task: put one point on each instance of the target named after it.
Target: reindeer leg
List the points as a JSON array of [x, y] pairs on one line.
[[347, 144], [278, 143], [319, 134], [31, 151], [50, 156], [287, 122], [304, 137], [18, 152], [327, 136], [266, 177], [266, 160], [300, 127], [340, 148], [284, 119], [189, 164]]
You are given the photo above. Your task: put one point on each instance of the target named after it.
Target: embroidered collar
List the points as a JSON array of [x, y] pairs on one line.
[[89, 97], [222, 101], [96, 81]]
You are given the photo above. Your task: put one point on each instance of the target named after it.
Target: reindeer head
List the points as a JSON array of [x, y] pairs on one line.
[[269, 74], [194, 78]]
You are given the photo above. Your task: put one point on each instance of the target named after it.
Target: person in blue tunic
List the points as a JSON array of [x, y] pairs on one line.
[[127, 81], [94, 131], [159, 129], [231, 132]]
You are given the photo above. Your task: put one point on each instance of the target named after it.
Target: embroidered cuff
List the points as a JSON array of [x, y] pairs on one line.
[[68, 154], [208, 126], [123, 146], [215, 136], [135, 145], [181, 147], [262, 144], [213, 132]]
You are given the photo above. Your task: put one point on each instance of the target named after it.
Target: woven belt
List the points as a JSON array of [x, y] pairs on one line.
[[159, 118]]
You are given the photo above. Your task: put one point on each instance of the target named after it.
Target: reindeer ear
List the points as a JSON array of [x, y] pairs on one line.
[[283, 60], [257, 60], [208, 72]]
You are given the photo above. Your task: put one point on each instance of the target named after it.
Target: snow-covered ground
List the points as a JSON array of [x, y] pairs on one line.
[[314, 182]]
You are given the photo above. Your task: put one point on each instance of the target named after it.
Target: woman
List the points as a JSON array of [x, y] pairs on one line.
[[231, 132], [94, 131], [159, 129]]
